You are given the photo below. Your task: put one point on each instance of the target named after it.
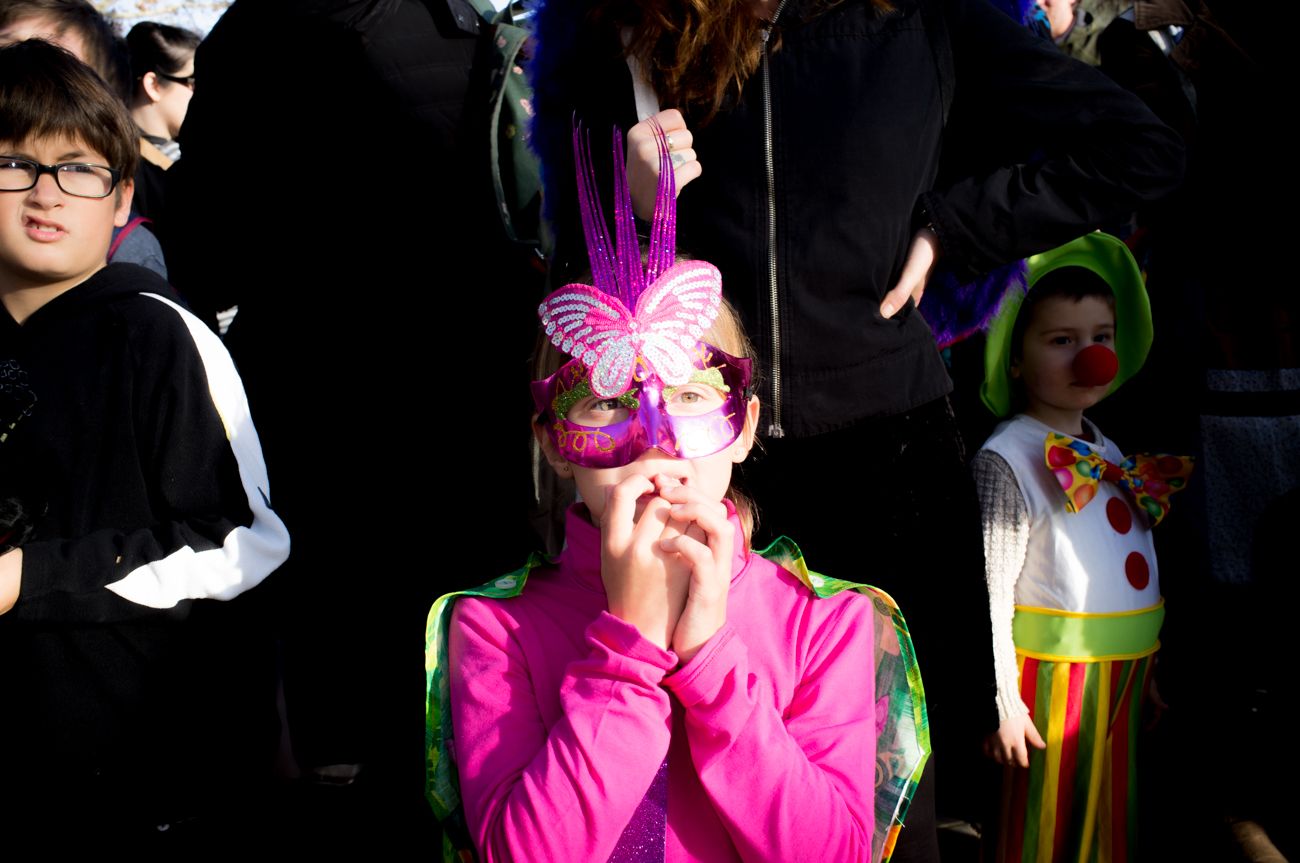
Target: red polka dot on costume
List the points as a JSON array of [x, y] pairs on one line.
[[1137, 570], [1169, 465], [1059, 456], [1120, 516]]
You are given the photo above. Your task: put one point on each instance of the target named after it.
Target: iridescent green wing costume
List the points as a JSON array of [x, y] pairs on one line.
[[902, 725], [441, 785]]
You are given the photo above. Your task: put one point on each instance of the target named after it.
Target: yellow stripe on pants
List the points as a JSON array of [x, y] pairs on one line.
[[1100, 751], [1052, 780]]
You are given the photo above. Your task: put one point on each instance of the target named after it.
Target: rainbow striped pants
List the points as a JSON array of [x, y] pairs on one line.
[[1077, 803]]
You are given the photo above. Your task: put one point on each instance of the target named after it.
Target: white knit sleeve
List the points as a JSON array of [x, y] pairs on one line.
[[1005, 520]]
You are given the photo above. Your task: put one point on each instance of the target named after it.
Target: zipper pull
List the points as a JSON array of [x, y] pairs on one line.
[[765, 32], [774, 430]]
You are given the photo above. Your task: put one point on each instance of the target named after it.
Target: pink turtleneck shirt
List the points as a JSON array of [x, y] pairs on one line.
[[563, 715]]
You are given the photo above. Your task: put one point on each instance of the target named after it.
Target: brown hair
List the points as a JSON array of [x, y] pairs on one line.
[[46, 92], [105, 52], [697, 52], [1073, 283], [160, 48], [726, 333]]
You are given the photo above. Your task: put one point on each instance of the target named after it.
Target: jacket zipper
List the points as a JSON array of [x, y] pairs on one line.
[[774, 428]]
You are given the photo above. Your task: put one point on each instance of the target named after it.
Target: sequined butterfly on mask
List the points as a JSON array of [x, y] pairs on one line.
[[671, 317]]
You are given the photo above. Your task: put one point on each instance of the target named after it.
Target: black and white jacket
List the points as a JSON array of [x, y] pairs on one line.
[[130, 439]]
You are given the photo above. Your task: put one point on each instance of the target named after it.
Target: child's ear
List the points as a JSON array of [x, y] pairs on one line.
[[740, 449], [150, 84], [549, 452], [1014, 369], [122, 208]]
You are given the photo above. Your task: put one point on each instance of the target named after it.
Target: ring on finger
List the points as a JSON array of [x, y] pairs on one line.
[[668, 139], [679, 159]]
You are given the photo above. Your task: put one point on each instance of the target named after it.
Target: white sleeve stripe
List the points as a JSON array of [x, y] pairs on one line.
[[248, 554]]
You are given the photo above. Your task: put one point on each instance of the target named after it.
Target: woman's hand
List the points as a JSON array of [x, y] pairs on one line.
[[645, 585], [643, 159], [911, 282], [1007, 744], [706, 543]]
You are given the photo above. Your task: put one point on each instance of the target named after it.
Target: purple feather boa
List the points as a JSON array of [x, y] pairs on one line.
[[956, 310], [556, 25]]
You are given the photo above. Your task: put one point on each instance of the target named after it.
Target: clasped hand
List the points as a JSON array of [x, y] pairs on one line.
[[667, 570]]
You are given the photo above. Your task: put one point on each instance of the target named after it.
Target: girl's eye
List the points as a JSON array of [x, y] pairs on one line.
[[1062, 340], [597, 412], [693, 393], [693, 399], [1103, 338]]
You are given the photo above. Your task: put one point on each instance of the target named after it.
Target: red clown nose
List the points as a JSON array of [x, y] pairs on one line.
[[1095, 366]]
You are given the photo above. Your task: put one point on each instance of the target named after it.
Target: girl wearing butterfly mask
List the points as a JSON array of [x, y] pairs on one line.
[[660, 691]]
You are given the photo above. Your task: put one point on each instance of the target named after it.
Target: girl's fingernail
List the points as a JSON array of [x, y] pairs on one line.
[[887, 309]]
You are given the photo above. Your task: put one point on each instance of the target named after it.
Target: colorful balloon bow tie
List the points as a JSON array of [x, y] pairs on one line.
[[1148, 479]]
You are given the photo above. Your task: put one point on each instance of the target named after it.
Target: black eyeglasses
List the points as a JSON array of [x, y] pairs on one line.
[[75, 178], [187, 80]]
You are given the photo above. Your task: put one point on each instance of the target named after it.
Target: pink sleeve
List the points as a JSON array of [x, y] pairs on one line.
[[796, 786], [565, 792]]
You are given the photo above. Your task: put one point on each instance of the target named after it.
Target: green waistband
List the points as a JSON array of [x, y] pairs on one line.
[[1045, 633]]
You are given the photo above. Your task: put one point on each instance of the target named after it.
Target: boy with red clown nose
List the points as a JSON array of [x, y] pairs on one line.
[[1071, 568]]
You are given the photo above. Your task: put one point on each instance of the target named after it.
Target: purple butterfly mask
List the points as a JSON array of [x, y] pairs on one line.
[[656, 313], [639, 326]]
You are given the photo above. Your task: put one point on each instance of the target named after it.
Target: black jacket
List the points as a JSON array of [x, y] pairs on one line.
[[1037, 149], [130, 439]]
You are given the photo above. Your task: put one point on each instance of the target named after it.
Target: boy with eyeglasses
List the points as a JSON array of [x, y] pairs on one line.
[[131, 485]]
